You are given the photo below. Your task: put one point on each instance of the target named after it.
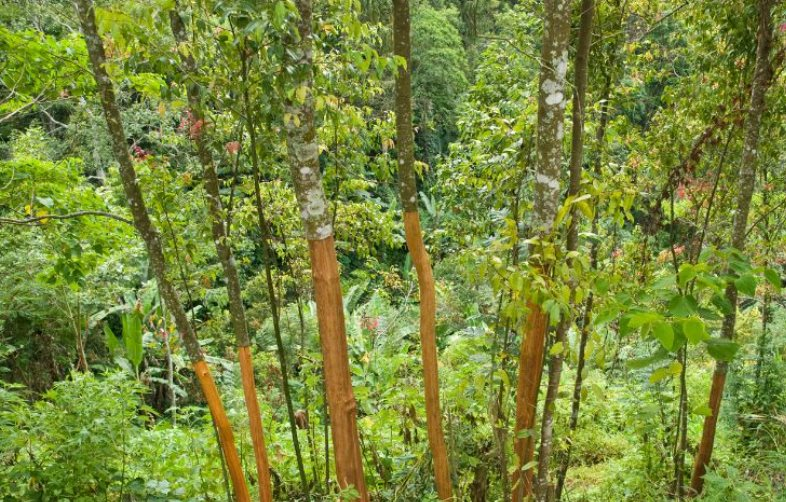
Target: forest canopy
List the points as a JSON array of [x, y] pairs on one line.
[[466, 250]]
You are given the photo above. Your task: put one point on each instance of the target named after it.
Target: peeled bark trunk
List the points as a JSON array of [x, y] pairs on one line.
[[761, 82], [303, 153], [572, 241], [226, 257], [551, 111], [417, 249], [150, 235], [530, 372]]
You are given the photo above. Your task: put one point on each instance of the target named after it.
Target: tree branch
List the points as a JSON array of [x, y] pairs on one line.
[[30, 221]]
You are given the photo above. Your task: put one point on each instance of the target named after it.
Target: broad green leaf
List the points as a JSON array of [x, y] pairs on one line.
[[746, 284], [723, 304], [773, 277], [110, 338], [682, 305], [664, 333], [132, 337], [639, 319], [702, 410], [694, 330], [556, 348], [686, 273], [659, 374], [643, 362], [722, 349]]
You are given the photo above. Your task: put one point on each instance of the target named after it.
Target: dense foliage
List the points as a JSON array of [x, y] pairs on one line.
[[98, 400]]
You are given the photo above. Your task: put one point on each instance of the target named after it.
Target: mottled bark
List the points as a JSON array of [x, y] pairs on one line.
[[572, 241], [417, 249], [746, 181], [219, 232], [303, 152], [551, 111], [150, 235], [588, 306], [405, 144]]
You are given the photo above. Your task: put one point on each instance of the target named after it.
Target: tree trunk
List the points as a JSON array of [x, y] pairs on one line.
[[150, 235], [761, 81], [303, 153], [267, 257], [588, 306], [551, 111], [226, 257], [417, 249], [572, 241]]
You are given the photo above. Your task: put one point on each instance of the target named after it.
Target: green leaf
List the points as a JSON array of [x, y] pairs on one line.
[[605, 315], [686, 273], [773, 277], [643, 362], [746, 284], [664, 333], [132, 336], [694, 330], [682, 305], [702, 410], [722, 349], [279, 11], [110, 338], [665, 282], [556, 348], [659, 374], [639, 319], [722, 303]]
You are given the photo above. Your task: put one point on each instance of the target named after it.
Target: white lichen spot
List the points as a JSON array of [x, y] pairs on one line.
[[550, 182], [549, 86], [324, 231], [305, 170], [554, 98], [306, 151], [315, 203], [560, 65]]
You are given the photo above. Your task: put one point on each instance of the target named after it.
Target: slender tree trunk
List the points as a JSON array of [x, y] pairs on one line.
[[267, 257], [588, 306], [226, 257], [303, 152], [417, 249], [551, 111], [151, 237], [747, 178], [572, 241]]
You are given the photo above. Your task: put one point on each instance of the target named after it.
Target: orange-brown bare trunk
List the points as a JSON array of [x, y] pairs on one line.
[[255, 423], [225, 435], [530, 373], [428, 342], [704, 453], [338, 384]]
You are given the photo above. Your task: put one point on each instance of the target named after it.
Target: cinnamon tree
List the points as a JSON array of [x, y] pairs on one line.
[[149, 233], [551, 110], [303, 157], [762, 77], [409, 201], [581, 66], [219, 229]]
